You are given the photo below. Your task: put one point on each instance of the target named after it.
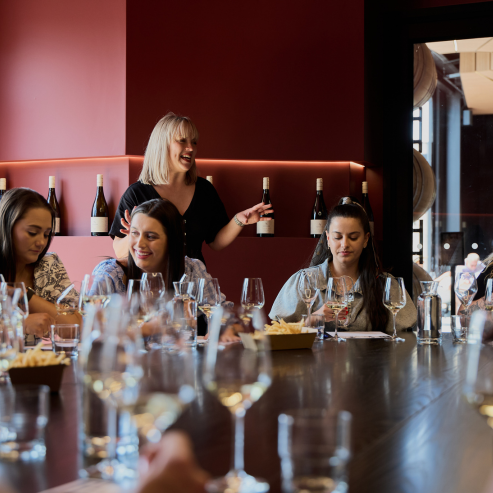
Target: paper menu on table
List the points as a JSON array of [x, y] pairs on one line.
[[361, 335], [87, 486]]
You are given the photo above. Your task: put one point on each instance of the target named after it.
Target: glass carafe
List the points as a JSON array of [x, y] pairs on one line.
[[429, 314]]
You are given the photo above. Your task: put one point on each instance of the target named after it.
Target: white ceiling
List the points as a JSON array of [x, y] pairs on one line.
[[476, 70]]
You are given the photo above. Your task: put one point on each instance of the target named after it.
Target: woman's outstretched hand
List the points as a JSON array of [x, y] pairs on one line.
[[126, 223], [252, 215]]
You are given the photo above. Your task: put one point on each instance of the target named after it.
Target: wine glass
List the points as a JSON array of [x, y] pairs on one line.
[[9, 342], [238, 377], [95, 291], [350, 298], [478, 384], [252, 295], [166, 390], [19, 306], [465, 289], [394, 299], [309, 290], [112, 370], [152, 290], [133, 286], [336, 300], [208, 297], [488, 296]]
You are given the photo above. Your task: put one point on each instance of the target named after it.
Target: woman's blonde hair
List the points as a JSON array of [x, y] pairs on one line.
[[155, 170]]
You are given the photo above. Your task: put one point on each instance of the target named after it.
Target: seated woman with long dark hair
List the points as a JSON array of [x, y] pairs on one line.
[[26, 229], [346, 249]]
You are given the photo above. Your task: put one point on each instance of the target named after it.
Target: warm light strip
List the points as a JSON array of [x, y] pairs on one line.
[[199, 161]]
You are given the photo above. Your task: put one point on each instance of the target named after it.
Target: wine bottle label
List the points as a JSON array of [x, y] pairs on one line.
[[51, 182], [99, 224], [372, 228], [210, 179], [317, 226], [57, 225], [3, 183], [265, 227]]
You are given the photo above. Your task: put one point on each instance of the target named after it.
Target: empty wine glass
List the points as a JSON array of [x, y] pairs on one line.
[[336, 300], [309, 290], [465, 289], [133, 286], [394, 299], [350, 298], [208, 297], [152, 290], [252, 295], [238, 377], [488, 296]]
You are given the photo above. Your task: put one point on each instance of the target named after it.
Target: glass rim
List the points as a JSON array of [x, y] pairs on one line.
[[312, 415], [65, 325]]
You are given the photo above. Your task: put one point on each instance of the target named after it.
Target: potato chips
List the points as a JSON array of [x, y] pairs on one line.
[[282, 327], [37, 357]]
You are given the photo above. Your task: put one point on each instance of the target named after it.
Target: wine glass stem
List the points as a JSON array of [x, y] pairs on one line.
[[112, 430], [208, 322], [337, 320], [309, 311], [394, 336], [239, 439]]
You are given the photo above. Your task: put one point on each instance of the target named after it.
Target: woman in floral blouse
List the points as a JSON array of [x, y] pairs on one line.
[[26, 230]]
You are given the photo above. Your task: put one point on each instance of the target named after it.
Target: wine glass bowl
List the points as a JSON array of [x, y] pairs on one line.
[[309, 290], [466, 288], [336, 300], [252, 295], [394, 299], [95, 291]]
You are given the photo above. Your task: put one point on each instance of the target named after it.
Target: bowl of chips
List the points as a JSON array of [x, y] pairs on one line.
[[284, 335], [38, 367]]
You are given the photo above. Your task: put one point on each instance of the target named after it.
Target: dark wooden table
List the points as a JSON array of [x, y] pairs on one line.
[[412, 430]]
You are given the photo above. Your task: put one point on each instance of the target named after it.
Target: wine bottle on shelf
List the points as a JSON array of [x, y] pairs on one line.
[[99, 215], [209, 179], [3, 187], [319, 212], [367, 207], [266, 228], [54, 204]]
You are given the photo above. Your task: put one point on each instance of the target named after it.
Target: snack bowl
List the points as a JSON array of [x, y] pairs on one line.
[[39, 375], [281, 342]]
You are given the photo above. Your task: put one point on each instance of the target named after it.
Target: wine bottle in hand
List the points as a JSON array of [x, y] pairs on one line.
[[99, 215], [266, 228]]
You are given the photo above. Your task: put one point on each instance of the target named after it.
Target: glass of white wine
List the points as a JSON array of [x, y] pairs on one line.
[[238, 377], [336, 300], [252, 295], [95, 291], [208, 297], [394, 299]]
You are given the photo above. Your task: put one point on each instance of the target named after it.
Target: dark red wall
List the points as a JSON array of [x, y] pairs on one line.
[[62, 78], [274, 80]]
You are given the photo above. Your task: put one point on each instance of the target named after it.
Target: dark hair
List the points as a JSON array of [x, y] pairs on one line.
[[369, 265], [14, 205], [171, 220]]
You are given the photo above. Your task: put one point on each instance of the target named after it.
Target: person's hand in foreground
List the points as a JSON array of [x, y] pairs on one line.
[[169, 466]]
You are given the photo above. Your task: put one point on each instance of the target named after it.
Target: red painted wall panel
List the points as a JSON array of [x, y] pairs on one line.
[[62, 78], [264, 80]]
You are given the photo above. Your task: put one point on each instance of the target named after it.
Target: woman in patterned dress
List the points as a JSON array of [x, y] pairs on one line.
[[26, 230]]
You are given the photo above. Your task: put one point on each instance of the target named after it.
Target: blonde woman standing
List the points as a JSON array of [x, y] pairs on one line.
[[169, 172]]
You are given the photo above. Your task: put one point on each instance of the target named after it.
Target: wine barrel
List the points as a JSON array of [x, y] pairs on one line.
[[424, 185], [425, 75]]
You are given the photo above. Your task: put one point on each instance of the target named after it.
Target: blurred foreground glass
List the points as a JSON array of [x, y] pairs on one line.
[[65, 339], [465, 288], [24, 411], [185, 311], [111, 363], [238, 377], [336, 300], [315, 447], [478, 387], [11, 341], [429, 314], [394, 299], [252, 294], [166, 390], [459, 331], [488, 296]]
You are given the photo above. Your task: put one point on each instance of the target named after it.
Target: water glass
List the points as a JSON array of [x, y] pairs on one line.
[[65, 339], [316, 322], [314, 447], [188, 324], [459, 329], [23, 416]]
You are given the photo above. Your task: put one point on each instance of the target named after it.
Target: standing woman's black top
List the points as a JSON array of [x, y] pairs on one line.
[[203, 219], [482, 280]]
